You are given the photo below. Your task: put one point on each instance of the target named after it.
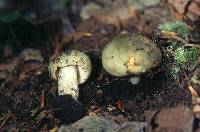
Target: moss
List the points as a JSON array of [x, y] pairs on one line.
[[178, 27], [183, 58]]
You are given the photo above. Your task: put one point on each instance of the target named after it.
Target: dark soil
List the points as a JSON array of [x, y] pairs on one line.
[[21, 100]]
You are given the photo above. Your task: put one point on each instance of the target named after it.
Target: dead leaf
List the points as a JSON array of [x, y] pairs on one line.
[[29, 68], [196, 109], [192, 91], [73, 37], [167, 34], [179, 16], [113, 14], [11, 65], [42, 99], [179, 5], [194, 8], [55, 129], [120, 104]]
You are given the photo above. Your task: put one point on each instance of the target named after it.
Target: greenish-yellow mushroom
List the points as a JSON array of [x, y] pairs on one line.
[[130, 54], [70, 68]]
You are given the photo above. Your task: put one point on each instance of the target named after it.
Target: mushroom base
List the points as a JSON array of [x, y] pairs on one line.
[[67, 81]]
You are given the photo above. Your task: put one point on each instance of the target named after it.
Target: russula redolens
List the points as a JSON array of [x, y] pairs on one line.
[[130, 54], [70, 68]]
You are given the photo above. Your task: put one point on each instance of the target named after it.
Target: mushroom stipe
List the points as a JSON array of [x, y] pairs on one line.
[[70, 68]]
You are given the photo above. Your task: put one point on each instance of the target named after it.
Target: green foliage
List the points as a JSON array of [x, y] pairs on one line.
[[180, 55], [179, 27], [175, 70], [183, 59], [10, 17]]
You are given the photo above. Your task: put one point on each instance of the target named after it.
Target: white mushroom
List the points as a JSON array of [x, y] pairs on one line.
[[70, 68]]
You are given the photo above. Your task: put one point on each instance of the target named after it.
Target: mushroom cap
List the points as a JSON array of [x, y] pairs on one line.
[[71, 58], [130, 54]]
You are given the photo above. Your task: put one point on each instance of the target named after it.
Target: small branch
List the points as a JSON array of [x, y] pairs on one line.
[[195, 65]]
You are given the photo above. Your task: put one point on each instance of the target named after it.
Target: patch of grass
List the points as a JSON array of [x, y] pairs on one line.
[[179, 27]]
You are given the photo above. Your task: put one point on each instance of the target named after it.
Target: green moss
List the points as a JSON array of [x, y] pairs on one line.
[[175, 70], [183, 58], [179, 27]]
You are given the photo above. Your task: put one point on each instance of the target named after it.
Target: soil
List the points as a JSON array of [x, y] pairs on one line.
[[156, 91]]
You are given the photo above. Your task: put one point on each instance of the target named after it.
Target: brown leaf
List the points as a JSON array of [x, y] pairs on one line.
[[11, 65], [120, 104], [29, 68], [167, 34], [42, 99], [73, 37], [179, 5], [192, 91], [194, 8], [179, 16]]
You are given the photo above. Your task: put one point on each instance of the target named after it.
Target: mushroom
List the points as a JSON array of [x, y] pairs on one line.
[[70, 68], [130, 54]]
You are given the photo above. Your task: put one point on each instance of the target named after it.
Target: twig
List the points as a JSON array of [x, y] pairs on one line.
[[42, 99], [192, 91], [195, 65]]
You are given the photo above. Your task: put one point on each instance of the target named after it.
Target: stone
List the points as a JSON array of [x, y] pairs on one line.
[[133, 127], [31, 54], [142, 4], [91, 124], [148, 3], [136, 4], [89, 10], [175, 119]]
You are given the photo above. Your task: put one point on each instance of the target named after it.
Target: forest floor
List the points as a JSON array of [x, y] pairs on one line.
[[28, 96]]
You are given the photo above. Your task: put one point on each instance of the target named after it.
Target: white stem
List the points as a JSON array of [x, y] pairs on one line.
[[68, 82]]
